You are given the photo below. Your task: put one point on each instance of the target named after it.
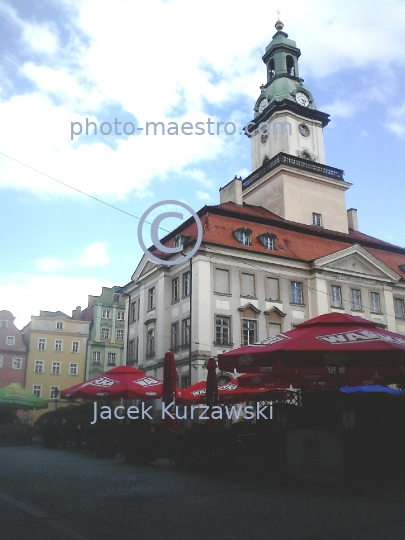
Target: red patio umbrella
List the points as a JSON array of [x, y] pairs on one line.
[[317, 346], [169, 389], [124, 382], [229, 392]]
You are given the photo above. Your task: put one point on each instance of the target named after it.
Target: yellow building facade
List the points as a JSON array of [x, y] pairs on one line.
[[57, 346]]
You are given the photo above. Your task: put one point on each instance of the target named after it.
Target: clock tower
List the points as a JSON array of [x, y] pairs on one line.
[[290, 176]]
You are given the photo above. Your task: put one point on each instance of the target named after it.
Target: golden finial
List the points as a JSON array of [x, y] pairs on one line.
[[279, 25]]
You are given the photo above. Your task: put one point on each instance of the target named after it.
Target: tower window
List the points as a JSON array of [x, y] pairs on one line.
[[305, 155], [290, 65], [317, 219], [272, 71]]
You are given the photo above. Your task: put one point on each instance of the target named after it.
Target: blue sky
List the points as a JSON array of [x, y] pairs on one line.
[[63, 61]]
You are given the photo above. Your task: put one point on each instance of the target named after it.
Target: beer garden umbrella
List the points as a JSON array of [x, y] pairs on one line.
[[125, 382], [15, 397], [228, 392], [333, 349]]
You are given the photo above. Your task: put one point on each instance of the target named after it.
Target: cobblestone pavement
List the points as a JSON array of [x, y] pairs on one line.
[[72, 495]]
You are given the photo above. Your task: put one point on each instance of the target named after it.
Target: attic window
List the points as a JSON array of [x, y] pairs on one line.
[[317, 219], [179, 240], [268, 240], [243, 236]]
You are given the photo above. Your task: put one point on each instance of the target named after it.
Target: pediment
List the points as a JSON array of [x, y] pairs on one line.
[[249, 307], [357, 262], [144, 267]]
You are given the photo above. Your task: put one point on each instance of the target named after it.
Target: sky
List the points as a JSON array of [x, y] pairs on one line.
[[131, 61]]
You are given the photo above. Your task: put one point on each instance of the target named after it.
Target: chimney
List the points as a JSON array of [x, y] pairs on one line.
[[352, 220], [76, 313], [232, 192]]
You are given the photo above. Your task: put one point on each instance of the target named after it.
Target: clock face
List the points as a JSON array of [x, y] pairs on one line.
[[302, 99], [304, 130], [263, 104]]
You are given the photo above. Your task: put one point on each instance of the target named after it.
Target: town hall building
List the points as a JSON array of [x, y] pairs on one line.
[[280, 248]]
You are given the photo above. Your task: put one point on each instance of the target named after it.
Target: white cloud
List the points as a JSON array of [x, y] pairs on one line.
[[49, 293], [396, 120], [38, 37], [93, 255], [150, 60], [340, 109], [203, 196]]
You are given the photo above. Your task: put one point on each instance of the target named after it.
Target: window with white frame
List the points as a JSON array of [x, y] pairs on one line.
[[75, 347], [1, 361], [178, 241], [175, 336], [41, 344], [150, 351], [73, 369], [37, 390], [96, 357], [317, 219], [105, 333], [221, 281], [222, 330], [3, 323], [39, 366], [59, 326], [356, 299], [116, 298], [399, 305], [10, 340], [151, 299], [120, 334], [186, 331], [186, 284], [336, 293], [111, 357], [296, 292], [106, 314], [175, 289], [120, 315], [58, 345], [249, 332], [17, 363], [269, 241], [133, 311], [56, 368], [54, 392], [375, 305]]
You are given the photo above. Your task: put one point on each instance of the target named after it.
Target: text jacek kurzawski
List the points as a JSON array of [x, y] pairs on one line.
[[188, 413]]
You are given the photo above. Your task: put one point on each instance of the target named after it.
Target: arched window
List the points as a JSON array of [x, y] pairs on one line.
[[272, 71], [290, 65], [266, 159]]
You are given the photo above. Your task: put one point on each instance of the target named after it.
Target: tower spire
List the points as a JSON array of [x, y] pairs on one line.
[[279, 24]]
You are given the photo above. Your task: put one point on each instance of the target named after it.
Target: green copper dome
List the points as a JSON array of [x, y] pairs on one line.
[[283, 81]]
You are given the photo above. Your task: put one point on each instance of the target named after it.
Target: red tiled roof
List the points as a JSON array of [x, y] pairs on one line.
[[293, 240]]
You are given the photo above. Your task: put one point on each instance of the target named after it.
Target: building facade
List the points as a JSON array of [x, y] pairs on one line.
[[13, 351], [106, 314], [56, 355], [280, 248]]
